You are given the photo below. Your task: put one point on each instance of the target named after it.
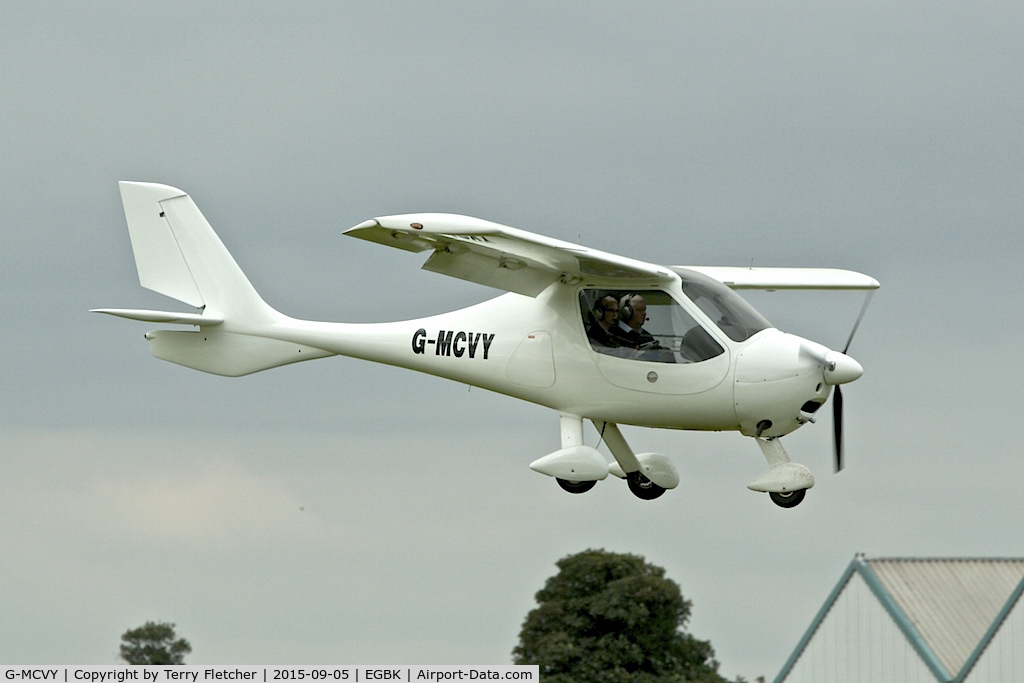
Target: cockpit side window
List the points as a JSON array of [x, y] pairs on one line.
[[646, 325]]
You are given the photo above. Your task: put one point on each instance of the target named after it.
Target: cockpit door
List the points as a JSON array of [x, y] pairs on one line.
[[651, 343]]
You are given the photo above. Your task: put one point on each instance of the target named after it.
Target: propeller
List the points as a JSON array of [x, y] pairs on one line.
[[837, 399], [837, 427]]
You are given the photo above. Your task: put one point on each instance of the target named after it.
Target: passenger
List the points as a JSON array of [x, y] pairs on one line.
[[630, 329], [606, 315]]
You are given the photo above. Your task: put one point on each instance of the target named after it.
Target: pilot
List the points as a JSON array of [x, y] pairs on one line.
[[606, 315], [630, 329]]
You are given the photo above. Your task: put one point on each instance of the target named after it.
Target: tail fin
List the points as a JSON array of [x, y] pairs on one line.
[[179, 255]]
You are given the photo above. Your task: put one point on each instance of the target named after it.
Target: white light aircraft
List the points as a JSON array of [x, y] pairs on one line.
[[591, 335]]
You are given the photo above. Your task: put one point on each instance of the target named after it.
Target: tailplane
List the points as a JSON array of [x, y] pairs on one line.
[[178, 254]]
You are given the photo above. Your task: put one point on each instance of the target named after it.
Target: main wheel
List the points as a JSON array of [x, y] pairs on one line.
[[575, 486], [642, 487], [789, 499]]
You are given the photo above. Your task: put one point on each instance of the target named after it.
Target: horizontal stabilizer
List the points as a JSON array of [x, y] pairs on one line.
[[160, 316]]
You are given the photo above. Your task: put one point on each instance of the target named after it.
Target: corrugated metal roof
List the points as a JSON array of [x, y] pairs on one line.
[[952, 603]]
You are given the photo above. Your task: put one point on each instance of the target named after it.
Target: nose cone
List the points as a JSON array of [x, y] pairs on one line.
[[840, 368]]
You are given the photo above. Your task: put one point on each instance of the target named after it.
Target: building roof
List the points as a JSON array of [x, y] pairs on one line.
[[948, 609]]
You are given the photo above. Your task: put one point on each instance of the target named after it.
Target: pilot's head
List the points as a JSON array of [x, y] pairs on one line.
[[633, 310]]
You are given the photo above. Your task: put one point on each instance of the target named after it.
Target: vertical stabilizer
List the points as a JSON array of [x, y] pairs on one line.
[[179, 255]]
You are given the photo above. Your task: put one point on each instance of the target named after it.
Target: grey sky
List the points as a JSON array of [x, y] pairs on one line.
[[339, 512]]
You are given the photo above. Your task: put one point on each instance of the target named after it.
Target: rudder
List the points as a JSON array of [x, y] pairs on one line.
[[178, 254]]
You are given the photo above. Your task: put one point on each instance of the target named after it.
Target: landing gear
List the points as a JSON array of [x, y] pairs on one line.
[[577, 468], [788, 499], [642, 487], [575, 486], [785, 482]]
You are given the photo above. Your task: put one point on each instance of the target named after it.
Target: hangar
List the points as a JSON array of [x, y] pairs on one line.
[[916, 620]]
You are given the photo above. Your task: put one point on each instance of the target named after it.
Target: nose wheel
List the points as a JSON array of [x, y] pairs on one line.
[[785, 482]]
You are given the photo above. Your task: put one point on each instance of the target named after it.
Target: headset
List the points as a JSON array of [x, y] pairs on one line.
[[626, 307], [599, 308]]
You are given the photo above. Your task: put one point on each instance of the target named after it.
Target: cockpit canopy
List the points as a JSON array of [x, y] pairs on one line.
[[728, 310], [650, 325]]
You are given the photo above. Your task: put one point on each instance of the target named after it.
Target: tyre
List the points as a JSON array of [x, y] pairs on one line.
[[789, 499], [575, 486], [642, 487]]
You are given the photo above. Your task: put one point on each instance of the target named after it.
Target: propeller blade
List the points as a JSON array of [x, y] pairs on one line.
[[837, 426]]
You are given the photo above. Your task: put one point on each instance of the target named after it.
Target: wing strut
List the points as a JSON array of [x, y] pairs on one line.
[[863, 310]]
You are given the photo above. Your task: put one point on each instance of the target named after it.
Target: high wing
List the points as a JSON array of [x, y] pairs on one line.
[[499, 256], [736, 277]]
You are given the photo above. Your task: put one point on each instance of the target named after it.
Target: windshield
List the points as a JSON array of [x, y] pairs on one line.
[[739, 320]]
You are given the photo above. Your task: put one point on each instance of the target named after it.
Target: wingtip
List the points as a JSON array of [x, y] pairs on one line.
[[372, 223]]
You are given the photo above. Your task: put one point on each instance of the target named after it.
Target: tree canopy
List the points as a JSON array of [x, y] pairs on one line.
[[613, 617], [153, 643]]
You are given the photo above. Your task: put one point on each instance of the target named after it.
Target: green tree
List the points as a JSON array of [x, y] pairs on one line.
[[153, 643], [613, 617]]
